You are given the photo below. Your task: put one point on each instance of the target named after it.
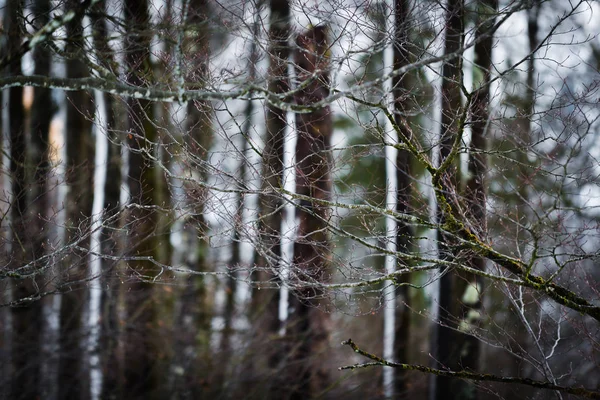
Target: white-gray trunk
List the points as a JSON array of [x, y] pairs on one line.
[[100, 167], [289, 225], [389, 294]]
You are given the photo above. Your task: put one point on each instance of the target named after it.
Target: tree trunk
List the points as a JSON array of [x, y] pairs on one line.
[[73, 374], [469, 286], [307, 325], [265, 303], [235, 262], [27, 318], [110, 364], [524, 115], [144, 354], [38, 165], [193, 319], [445, 349], [403, 179]]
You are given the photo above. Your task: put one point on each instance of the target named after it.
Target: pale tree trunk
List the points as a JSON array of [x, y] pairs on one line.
[[307, 327], [26, 319], [237, 244], [193, 318], [445, 349], [397, 326], [110, 365], [388, 376], [111, 243]]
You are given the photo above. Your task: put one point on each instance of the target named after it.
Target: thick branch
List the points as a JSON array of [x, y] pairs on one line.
[[472, 376], [118, 88]]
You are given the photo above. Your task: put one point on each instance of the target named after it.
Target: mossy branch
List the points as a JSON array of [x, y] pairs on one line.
[[471, 376]]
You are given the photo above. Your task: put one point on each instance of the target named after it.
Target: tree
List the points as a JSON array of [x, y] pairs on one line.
[[307, 326], [110, 364], [404, 178], [27, 313], [495, 198], [143, 353], [470, 286], [79, 179], [266, 303], [446, 180]]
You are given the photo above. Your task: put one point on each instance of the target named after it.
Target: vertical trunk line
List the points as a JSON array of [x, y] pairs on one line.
[[110, 365], [445, 349], [308, 328], [403, 185], [72, 371], [26, 319], [144, 348], [266, 293], [192, 350]]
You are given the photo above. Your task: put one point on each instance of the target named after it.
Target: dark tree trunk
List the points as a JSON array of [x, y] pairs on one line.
[[469, 286], [265, 303], [404, 179], [444, 338], [307, 324], [525, 114], [38, 165], [532, 33], [27, 318], [73, 374], [144, 352]]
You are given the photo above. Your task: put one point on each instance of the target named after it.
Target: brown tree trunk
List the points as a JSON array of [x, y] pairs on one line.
[[308, 324], [265, 303], [444, 342]]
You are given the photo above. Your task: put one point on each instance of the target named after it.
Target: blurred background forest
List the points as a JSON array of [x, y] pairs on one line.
[[204, 199]]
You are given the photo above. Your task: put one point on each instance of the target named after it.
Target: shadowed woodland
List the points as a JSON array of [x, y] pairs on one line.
[[284, 199]]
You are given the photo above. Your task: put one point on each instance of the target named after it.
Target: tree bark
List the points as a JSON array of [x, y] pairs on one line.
[[404, 187], [73, 377], [469, 287], [193, 319], [265, 303], [444, 343], [308, 325], [144, 351], [111, 364], [39, 169], [27, 318], [237, 244]]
